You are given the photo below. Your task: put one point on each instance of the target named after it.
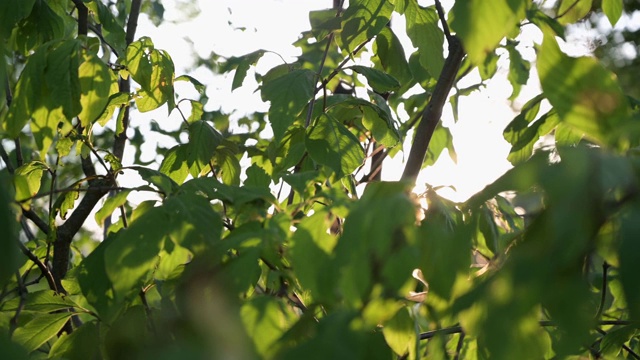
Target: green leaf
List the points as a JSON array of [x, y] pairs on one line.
[[586, 96], [193, 224], [8, 251], [112, 203], [518, 69], [242, 65], [94, 282], [570, 11], [156, 178], [257, 177], [440, 140], [331, 144], [27, 179], [160, 87], [203, 142], [200, 87], [266, 319], [469, 19], [375, 242], [629, 254], [362, 20], [40, 329], [13, 11], [175, 164], [133, 253], [543, 21], [374, 118], [42, 301], [66, 201], [48, 92], [289, 94], [445, 252], [42, 25], [613, 341], [229, 166], [523, 135], [154, 70], [232, 194], [379, 81], [613, 10], [95, 85], [323, 22], [423, 30], [400, 333], [311, 248], [82, 343], [112, 31], [390, 56], [197, 110]]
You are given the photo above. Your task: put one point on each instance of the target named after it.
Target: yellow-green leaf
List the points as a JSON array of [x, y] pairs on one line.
[[482, 24], [40, 329], [585, 95], [331, 144], [95, 85], [110, 205], [613, 10]]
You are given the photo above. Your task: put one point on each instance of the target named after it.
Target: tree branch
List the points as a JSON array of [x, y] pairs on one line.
[[98, 187], [433, 112], [125, 84]]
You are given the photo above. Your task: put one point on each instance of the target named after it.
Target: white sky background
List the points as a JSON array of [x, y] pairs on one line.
[[275, 24]]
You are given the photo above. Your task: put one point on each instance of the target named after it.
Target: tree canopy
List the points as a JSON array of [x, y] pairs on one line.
[[273, 236]]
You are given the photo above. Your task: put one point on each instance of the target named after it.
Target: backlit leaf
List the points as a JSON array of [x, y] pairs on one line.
[[331, 144], [362, 20], [613, 10], [174, 164], [400, 334], [112, 203], [40, 329], [323, 22], [379, 81], [203, 142], [390, 56], [288, 94], [586, 96], [469, 19], [83, 342], [423, 30], [570, 11], [95, 84]]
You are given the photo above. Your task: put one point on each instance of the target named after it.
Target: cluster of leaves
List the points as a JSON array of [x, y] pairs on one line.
[[542, 263]]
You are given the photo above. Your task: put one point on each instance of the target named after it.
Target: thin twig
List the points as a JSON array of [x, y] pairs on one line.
[[43, 268], [603, 291], [459, 346], [5, 158], [443, 21], [22, 293]]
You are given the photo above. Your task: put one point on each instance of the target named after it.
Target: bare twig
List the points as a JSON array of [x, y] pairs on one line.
[[443, 21], [43, 268], [603, 290], [22, 292]]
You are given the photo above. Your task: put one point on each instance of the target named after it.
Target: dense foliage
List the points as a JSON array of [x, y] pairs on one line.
[[304, 252]]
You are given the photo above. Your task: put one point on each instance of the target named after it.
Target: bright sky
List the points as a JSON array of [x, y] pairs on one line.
[[237, 27]]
